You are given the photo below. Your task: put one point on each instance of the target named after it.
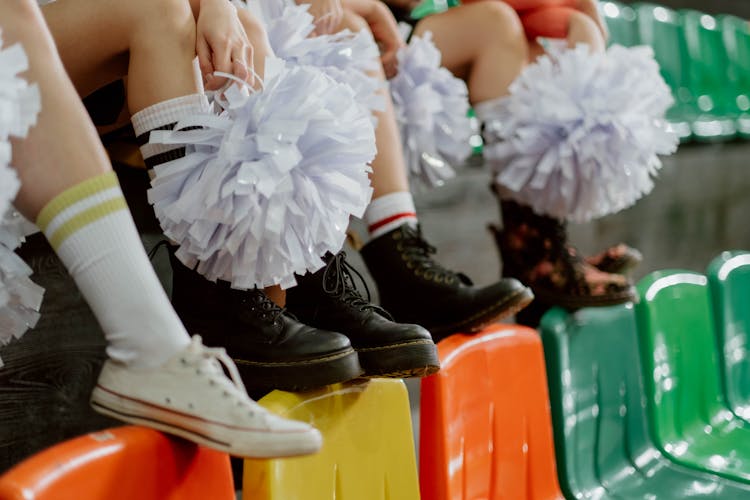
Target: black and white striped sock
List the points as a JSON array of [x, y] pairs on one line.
[[164, 116]]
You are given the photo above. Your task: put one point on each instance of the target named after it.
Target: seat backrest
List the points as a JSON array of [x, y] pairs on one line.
[[736, 33], [621, 23], [368, 448], [485, 429], [678, 346], [596, 393], [125, 463], [661, 28], [729, 275], [709, 64]]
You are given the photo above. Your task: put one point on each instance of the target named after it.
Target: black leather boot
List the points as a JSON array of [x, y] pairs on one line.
[[535, 250], [329, 299], [271, 348], [416, 289]]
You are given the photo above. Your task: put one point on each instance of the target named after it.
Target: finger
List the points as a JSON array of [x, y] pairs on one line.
[[250, 58], [222, 61], [204, 59], [337, 18], [390, 63], [239, 63]]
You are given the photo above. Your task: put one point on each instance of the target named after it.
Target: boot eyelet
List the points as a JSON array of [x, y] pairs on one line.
[[410, 265], [400, 247], [438, 279]]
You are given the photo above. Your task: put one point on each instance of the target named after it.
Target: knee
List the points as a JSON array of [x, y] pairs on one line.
[[173, 18], [500, 20], [353, 22]]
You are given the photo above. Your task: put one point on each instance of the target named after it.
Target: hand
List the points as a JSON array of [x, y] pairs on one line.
[[384, 29], [327, 14], [222, 44]]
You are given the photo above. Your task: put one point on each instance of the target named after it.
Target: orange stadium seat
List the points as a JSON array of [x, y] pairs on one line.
[[485, 420], [126, 463]]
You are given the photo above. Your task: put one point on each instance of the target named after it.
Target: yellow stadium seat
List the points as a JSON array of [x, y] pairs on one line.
[[368, 448]]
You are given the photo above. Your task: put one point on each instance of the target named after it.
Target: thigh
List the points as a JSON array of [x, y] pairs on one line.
[[461, 32], [92, 37]]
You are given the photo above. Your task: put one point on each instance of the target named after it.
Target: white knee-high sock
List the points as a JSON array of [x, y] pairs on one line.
[[91, 229], [386, 213]]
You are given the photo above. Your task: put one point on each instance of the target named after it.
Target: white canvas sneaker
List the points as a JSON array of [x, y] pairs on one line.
[[191, 397]]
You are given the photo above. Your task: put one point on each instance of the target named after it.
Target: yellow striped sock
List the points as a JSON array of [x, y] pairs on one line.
[[80, 206]]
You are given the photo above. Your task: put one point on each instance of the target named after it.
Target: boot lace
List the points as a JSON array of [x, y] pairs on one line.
[[338, 281], [266, 308], [418, 253]]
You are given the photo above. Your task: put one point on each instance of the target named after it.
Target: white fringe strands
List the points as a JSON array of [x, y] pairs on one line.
[[345, 56], [579, 134], [20, 298], [267, 186], [431, 109]]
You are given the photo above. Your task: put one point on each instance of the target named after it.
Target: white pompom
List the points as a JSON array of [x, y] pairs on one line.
[[345, 56], [579, 134], [267, 187], [431, 109], [20, 103]]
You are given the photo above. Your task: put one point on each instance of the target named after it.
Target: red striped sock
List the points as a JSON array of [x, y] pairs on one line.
[[390, 211]]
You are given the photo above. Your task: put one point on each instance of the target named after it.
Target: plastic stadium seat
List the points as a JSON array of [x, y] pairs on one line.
[[621, 23], [729, 275], [736, 33], [708, 76], [125, 463], [485, 423], [661, 28], [602, 439], [368, 449], [691, 423]]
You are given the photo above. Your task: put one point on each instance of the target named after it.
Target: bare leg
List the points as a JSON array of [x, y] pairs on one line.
[[389, 169], [482, 43], [151, 42], [583, 29], [63, 148]]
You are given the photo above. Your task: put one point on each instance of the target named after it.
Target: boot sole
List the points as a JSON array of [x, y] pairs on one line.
[[303, 375], [252, 443], [572, 302], [498, 311], [418, 358]]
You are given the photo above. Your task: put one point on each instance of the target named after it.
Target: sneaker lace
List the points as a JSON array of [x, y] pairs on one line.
[[338, 280], [416, 250], [215, 363]]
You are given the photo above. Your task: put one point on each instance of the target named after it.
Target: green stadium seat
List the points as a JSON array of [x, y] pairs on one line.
[[708, 76], [729, 275], [691, 423], [662, 29], [621, 23], [736, 33], [604, 450]]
